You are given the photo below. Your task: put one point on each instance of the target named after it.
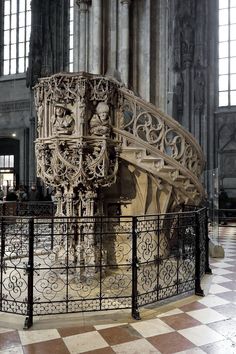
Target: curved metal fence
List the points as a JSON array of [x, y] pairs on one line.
[[60, 265]]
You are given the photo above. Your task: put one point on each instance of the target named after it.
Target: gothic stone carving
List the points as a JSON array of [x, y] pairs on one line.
[[76, 153]]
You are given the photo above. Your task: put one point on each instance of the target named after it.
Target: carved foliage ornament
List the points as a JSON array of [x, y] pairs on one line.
[[155, 130]]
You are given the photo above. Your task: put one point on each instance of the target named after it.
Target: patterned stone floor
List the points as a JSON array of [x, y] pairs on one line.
[[193, 325]]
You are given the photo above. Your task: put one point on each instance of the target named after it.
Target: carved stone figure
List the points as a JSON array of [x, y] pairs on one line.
[[100, 123], [63, 121]]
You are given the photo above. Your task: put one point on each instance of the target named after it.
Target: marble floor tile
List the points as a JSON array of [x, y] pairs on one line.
[[9, 339], [213, 300], [227, 328], [219, 271], [227, 310], [231, 276], [169, 313], [221, 265], [196, 305], [181, 321], [107, 350], [56, 346], [222, 347], [29, 337], [152, 327], [217, 289], [135, 347], [98, 327], [229, 296], [14, 350], [70, 331], [81, 343], [201, 335], [207, 315], [170, 343], [4, 330], [230, 285], [219, 279], [192, 351], [118, 335]]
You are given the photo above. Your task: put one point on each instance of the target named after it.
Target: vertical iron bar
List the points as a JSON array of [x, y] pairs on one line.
[[52, 231], [207, 266], [30, 271], [198, 289], [68, 236], [135, 312], [178, 254], [2, 259], [158, 256]]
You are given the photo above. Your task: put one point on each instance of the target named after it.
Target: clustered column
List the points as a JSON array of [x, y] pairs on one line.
[[97, 36], [124, 41], [83, 7]]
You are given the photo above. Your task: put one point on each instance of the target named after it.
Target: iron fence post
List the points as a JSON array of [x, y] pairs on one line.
[[198, 289], [158, 256], [135, 311], [52, 231], [30, 271], [207, 266], [2, 258]]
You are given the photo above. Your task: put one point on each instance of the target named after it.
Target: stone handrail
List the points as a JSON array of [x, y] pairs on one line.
[[145, 121]]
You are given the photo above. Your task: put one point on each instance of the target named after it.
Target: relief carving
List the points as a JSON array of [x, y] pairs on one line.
[[63, 121], [100, 123]]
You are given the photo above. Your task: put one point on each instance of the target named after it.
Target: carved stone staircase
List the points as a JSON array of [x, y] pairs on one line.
[[157, 144]]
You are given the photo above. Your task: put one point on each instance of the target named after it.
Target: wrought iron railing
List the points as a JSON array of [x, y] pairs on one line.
[[55, 265], [40, 208]]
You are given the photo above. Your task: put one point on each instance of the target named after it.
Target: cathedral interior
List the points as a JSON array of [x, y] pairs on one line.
[[117, 151]]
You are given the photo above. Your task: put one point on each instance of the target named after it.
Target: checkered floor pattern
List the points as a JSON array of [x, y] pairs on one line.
[[196, 325]]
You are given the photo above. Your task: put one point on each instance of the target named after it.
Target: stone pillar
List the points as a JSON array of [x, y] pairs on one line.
[[83, 33], [124, 41], [97, 36], [76, 38], [143, 46], [32, 176], [113, 38]]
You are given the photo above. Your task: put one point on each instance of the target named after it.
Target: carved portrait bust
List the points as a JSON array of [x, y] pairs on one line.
[[63, 121], [100, 121]]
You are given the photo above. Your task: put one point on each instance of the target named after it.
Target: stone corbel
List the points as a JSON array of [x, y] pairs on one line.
[[83, 4]]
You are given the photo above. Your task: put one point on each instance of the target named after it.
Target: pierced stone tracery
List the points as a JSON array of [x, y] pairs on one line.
[[75, 151]]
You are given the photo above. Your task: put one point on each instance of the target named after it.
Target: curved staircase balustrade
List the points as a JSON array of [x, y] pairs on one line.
[[145, 121], [159, 144], [141, 154]]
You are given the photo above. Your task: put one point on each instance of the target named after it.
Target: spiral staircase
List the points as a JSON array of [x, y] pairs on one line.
[[159, 145]]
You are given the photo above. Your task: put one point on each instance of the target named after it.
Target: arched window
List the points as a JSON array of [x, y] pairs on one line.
[[16, 35], [227, 53]]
